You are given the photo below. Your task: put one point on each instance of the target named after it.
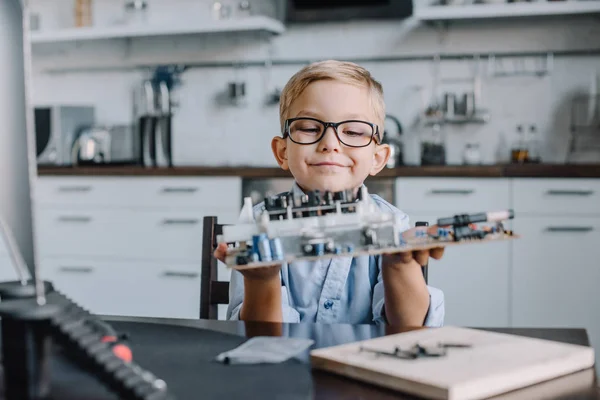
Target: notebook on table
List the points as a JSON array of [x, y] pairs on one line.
[[453, 363]]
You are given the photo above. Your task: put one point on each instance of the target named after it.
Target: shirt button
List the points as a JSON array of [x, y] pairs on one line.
[[328, 304]]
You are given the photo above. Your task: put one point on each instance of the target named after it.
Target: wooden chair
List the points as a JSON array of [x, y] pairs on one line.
[[212, 291]]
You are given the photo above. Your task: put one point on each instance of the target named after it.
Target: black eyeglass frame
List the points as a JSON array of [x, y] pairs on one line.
[[334, 125]]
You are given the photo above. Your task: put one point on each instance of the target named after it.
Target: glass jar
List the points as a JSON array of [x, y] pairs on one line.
[[472, 154], [136, 12], [433, 148]]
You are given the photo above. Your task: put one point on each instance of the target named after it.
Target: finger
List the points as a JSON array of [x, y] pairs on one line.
[[403, 258], [219, 256], [421, 256], [436, 253], [221, 252]]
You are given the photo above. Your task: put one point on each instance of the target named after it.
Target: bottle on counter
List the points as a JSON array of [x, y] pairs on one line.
[[520, 150], [83, 13]]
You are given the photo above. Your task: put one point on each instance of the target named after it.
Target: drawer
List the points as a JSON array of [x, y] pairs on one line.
[[552, 196], [130, 289], [172, 192], [124, 234], [452, 195]]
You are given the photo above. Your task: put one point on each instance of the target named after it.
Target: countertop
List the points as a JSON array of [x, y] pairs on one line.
[[480, 171]]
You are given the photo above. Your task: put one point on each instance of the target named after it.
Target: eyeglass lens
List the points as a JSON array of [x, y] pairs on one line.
[[307, 131]]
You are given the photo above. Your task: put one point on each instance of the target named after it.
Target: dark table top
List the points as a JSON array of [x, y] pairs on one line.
[[182, 353]]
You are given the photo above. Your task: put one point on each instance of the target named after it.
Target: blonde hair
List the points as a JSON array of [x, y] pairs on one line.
[[342, 71]]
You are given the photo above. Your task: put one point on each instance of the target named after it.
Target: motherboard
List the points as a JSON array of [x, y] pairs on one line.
[[347, 223]]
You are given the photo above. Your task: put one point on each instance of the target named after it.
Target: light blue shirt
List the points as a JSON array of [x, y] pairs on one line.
[[335, 290]]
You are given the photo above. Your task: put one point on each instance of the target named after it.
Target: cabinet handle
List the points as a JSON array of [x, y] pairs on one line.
[[180, 222], [561, 192], [463, 192], [178, 274], [179, 190], [71, 189], [570, 228], [74, 218], [80, 270]]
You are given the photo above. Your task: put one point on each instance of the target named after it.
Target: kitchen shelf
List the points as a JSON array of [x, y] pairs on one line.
[[506, 10], [480, 117], [247, 24]]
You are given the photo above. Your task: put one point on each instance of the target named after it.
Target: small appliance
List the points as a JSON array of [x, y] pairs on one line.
[[56, 127]]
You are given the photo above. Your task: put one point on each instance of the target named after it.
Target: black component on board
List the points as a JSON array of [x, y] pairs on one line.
[[310, 204]]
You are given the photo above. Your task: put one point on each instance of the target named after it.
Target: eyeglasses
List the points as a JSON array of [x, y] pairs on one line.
[[352, 133]]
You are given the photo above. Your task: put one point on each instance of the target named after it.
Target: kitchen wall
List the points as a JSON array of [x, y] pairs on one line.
[[100, 73]]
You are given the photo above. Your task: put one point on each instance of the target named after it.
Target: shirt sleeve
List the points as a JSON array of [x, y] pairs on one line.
[[236, 298]]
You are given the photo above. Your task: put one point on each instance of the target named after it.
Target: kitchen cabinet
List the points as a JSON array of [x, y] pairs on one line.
[[555, 273], [131, 245], [474, 278], [146, 289], [126, 234], [139, 192]]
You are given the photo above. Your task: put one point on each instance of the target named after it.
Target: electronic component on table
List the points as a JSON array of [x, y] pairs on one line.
[[345, 223]]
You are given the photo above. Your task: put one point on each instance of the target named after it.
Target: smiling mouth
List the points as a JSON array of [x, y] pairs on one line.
[[327, 164]]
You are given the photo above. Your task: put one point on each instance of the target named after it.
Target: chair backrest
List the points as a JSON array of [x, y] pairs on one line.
[[212, 291]]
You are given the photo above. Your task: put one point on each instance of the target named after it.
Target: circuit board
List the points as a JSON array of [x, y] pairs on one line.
[[344, 224]]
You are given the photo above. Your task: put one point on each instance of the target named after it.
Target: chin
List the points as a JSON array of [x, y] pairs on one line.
[[329, 184]]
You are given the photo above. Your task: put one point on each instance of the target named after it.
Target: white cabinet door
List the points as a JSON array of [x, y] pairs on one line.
[[474, 277], [452, 195], [139, 192], [559, 196], [131, 289], [556, 274], [475, 281], [123, 234]]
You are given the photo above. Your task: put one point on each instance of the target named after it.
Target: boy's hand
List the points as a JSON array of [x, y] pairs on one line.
[[262, 291], [406, 293], [420, 256], [255, 274], [397, 260]]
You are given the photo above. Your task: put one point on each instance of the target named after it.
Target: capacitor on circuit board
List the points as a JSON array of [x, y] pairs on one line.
[[276, 249], [262, 247], [424, 268]]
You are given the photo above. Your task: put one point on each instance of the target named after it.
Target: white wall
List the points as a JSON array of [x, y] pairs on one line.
[[210, 133]]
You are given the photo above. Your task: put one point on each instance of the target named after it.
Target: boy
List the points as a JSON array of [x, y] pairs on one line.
[[332, 156]]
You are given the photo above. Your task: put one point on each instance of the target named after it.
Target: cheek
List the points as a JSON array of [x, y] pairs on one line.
[[363, 161], [297, 154]]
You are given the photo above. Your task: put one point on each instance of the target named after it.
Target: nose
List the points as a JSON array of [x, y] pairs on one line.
[[329, 142]]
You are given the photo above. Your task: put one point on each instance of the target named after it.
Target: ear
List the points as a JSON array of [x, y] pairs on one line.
[[279, 147], [380, 158]]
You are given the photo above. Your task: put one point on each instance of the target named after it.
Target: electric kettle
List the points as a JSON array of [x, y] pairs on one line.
[[92, 146], [396, 148]]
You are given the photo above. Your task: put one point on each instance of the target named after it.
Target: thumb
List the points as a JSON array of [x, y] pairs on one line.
[[221, 251]]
